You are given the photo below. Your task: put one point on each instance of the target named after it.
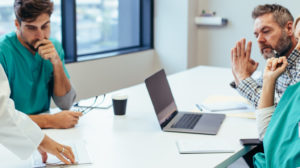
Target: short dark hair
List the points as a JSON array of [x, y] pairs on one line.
[[281, 14], [29, 10]]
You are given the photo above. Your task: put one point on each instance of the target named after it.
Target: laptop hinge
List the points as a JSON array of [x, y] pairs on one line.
[[162, 125]]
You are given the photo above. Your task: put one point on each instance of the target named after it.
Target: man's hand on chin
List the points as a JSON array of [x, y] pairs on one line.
[[47, 51]]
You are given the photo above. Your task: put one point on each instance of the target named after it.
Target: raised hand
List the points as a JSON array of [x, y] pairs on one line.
[[274, 68], [242, 65]]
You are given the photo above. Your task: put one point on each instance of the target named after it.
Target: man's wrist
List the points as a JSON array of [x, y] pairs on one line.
[[56, 62], [48, 121]]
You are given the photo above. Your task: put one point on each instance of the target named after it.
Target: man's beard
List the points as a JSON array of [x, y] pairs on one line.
[[270, 54], [282, 47], [30, 45], [284, 44]]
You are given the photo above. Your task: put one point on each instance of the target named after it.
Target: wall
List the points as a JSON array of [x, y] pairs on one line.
[[192, 33], [214, 44], [96, 77], [171, 37]]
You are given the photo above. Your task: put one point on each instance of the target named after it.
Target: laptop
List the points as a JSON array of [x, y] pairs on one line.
[[172, 120]]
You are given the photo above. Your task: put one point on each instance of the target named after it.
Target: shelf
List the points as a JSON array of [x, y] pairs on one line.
[[210, 21]]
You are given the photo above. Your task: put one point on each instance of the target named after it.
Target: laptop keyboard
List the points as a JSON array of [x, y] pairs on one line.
[[187, 121]]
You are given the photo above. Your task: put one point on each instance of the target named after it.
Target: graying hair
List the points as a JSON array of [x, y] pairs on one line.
[[281, 14]]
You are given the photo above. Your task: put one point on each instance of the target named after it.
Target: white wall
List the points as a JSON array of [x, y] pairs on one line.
[[192, 33], [171, 37], [214, 44], [176, 39], [96, 77]]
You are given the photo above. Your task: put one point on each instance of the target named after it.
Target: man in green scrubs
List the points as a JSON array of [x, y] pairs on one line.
[[34, 65]]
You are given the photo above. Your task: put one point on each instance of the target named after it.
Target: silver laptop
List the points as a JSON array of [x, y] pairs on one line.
[[170, 119]]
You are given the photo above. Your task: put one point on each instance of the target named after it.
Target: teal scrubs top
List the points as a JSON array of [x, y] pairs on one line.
[[30, 76], [282, 138]]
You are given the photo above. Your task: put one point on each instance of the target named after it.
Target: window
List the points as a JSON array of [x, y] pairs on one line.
[[7, 18], [104, 25], [102, 28]]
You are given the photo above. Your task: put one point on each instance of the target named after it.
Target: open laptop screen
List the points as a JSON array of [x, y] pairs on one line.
[[161, 95]]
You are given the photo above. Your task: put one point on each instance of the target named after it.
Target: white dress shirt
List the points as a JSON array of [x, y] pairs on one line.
[[263, 117], [18, 133]]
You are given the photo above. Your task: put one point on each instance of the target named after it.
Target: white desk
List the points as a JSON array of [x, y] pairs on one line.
[[136, 140]]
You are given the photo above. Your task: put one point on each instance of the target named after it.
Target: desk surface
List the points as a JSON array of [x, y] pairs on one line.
[[136, 140]]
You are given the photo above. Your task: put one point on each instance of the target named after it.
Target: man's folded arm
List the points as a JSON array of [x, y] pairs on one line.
[[65, 102]]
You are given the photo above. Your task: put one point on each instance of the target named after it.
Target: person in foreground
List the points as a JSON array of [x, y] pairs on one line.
[[21, 135], [34, 65], [279, 127]]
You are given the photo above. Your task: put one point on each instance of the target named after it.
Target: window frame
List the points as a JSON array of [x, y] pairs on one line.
[[69, 41]]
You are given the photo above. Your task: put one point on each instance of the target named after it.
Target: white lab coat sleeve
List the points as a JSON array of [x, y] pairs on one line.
[[263, 118], [18, 133]]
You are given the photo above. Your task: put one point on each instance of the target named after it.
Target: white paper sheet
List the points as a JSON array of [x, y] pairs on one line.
[[202, 147], [216, 107]]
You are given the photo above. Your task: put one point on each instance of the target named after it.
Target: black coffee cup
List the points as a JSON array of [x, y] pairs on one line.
[[119, 104]]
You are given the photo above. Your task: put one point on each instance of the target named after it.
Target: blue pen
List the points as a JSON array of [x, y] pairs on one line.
[[199, 107], [202, 108]]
